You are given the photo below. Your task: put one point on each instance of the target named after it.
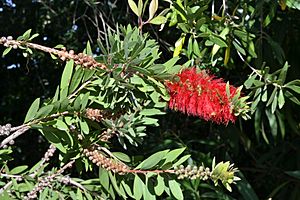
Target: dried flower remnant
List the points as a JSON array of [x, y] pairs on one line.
[[201, 94]]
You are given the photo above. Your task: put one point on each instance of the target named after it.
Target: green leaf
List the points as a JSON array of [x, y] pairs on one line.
[[152, 160], [65, 79], [140, 7], [84, 101], [76, 79], [84, 127], [274, 93], [122, 156], [104, 178], [158, 20], [34, 36], [151, 111], [138, 187], [274, 105], [295, 88], [175, 189], [239, 48], [281, 123], [249, 82], [6, 51], [160, 187], [181, 160], [115, 185], [272, 122], [18, 170], [26, 35], [127, 188], [218, 41], [178, 45], [283, 73], [44, 111], [133, 7], [32, 110], [291, 97], [245, 188], [153, 8], [295, 174], [172, 155], [281, 100]]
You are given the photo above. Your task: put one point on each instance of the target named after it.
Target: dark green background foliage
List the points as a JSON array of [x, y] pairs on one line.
[[259, 48]]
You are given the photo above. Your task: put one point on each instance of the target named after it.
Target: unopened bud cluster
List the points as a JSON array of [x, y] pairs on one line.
[[49, 153], [98, 115], [84, 60], [45, 182], [106, 135], [80, 59], [192, 172], [106, 163], [5, 130], [7, 42]]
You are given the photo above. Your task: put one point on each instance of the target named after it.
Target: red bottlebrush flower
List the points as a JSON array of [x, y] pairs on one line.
[[203, 95]]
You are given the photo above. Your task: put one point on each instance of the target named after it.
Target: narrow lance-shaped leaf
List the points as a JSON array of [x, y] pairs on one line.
[[175, 189], [133, 7], [66, 78], [153, 8], [32, 110]]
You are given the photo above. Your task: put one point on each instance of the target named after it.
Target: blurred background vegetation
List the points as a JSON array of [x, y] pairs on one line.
[[266, 150]]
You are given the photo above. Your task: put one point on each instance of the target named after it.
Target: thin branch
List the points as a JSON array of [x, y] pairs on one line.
[[14, 135], [25, 127]]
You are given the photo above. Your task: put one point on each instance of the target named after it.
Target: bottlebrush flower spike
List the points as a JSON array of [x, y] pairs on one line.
[[203, 95]]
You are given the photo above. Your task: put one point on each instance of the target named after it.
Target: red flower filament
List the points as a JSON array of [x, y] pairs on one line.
[[203, 95]]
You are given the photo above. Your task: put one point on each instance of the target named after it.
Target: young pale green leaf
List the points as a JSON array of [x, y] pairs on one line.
[[175, 189], [133, 7], [153, 8], [178, 45], [32, 110], [18, 170], [158, 20], [6, 51], [140, 7], [66, 78], [138, 187], [26, 35], [160, 187], [152, 160], [34, 36]]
